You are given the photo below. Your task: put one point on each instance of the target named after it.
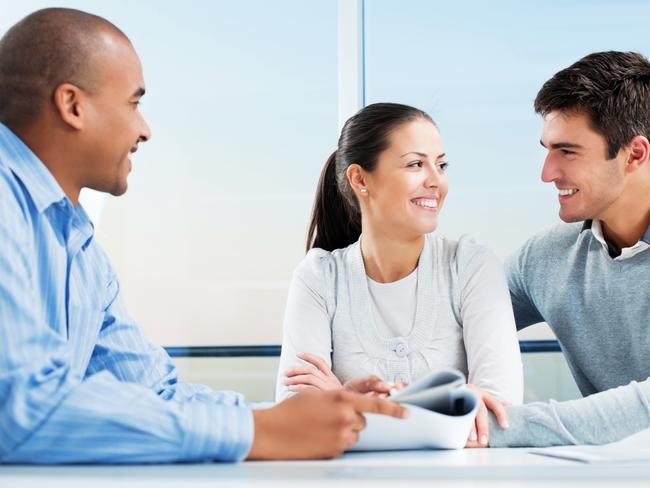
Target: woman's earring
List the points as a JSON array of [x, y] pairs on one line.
[[363, 190]]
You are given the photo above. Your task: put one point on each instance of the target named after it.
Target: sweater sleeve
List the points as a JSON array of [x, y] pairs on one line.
[[601, 418], [525, 310], [306, 326], [493, 357]]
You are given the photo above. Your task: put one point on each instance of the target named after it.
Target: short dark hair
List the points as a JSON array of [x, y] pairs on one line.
[[45, 49], [336, 217], [612, 88]]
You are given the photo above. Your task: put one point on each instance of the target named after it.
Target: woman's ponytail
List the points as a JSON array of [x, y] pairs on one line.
[[334, 223]]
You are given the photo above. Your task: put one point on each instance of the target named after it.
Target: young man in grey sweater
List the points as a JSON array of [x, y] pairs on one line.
[[589, 276]]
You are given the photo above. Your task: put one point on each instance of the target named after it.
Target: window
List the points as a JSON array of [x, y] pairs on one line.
[[476, 68], [242, 103]]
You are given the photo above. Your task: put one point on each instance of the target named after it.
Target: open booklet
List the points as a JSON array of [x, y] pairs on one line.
[[441, 411]]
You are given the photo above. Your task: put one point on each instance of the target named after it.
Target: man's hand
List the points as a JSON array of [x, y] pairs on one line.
[[315, 424], [479, 435]]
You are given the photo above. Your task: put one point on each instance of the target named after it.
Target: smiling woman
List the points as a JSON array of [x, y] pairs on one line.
[[380, 299]]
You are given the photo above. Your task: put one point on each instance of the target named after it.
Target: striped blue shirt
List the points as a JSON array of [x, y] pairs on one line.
[[78, 380]]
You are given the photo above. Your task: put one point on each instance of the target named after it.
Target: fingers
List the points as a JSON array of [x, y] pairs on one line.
[[300, 370], [473, 445], [473, 437], [482, 429], [316, 361], [375, 384], [353, 438], [357, 424], [498, 409], [371, 384], [472, 440], [480, 434], [306, 379], [370, 404], [323, 380], [301, 388], [361, 422]]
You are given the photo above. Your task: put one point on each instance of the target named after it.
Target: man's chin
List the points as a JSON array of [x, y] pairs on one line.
[[119, 189], [572, 218]]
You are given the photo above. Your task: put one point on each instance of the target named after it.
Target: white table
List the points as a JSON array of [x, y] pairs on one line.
[[464, 468]]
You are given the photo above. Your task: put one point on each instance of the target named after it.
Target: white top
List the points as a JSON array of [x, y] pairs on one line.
[[393, 305], [454, 311]]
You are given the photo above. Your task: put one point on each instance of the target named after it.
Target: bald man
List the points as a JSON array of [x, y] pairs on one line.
[[78, 380]]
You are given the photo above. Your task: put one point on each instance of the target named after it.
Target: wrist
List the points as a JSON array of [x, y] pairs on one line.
[[262, 447]]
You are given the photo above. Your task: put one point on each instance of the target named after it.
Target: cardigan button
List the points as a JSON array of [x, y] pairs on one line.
[[402, 349]]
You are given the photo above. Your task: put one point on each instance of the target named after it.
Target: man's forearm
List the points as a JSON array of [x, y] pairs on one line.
[[597, 419], [105, 421]]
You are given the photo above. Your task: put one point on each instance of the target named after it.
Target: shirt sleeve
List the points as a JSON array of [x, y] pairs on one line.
[[525, 311], [306, 326], [489, 333], [597, 419], [124, 351], [127, 409]]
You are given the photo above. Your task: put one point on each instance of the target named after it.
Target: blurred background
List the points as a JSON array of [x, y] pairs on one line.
[[245, 100]]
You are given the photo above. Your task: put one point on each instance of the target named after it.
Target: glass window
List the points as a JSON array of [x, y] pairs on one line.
[[476, 68], [242, 102]]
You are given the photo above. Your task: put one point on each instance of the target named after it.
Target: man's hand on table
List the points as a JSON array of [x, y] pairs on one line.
[[315, 424]]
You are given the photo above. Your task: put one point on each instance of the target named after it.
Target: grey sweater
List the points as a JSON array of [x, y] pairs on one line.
[[599, 309]]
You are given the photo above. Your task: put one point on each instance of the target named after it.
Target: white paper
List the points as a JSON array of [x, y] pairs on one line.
[[631, 450], [441, 413]]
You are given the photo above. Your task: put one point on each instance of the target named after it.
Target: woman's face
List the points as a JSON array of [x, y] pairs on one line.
[[406, 190]]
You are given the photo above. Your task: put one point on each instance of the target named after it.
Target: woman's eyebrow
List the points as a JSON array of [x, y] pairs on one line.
[[422, 155]]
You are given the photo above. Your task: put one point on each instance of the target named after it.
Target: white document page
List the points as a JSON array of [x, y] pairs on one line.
[[631, 450]]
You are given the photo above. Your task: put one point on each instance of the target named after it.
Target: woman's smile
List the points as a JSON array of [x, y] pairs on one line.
[[429, 204]]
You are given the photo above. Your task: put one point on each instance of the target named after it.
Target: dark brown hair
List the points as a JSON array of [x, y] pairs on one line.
[[612, 88]]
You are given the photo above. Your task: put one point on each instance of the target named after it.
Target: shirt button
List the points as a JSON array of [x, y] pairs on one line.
[[402, 349]]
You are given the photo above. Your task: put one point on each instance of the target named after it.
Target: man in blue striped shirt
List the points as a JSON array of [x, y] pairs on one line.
[[78, 380]]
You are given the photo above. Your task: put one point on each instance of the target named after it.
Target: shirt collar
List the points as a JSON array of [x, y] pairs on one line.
[[34, 175], [597, 230]]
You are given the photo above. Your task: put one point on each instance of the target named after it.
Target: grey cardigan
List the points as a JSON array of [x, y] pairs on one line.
[[463, 319]]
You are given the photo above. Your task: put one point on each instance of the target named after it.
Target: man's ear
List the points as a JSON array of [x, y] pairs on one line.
[[68, 100], [639, 153]]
